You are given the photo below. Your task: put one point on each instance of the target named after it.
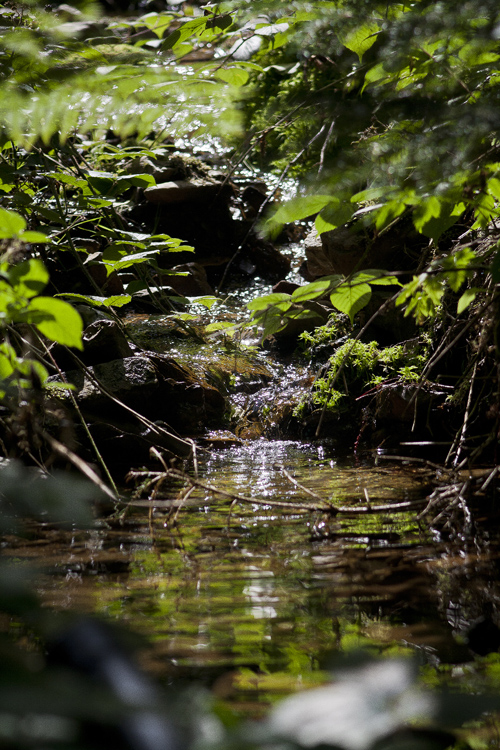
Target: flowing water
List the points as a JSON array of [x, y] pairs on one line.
[[251, 598], [252, 592]]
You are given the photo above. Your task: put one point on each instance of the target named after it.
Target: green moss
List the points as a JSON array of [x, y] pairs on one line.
[[357, 366]]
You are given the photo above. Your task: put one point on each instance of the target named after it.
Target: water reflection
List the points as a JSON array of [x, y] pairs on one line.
[[250, 598]]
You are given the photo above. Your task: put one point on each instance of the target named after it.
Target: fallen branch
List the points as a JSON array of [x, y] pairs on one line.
[[322, 506]]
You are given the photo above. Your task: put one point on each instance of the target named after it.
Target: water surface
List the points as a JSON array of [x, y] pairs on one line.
[[253, 599]]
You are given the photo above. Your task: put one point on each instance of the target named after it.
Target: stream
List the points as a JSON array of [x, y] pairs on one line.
[[252, 599]]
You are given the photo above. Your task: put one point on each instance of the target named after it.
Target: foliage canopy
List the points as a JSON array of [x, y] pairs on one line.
[[380, 110]]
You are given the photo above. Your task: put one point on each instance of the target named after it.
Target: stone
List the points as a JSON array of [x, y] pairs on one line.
[[285, 287], [339, 251], [314, 314], [133, 380], [109, 285], [153, 385], [351, 248], [195, 284], [184, 191], [263, 259], [104, 340]]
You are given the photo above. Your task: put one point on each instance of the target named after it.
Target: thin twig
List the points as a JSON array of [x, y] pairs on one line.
[[266, 203], [324, 146], [459, 444], [302, 507], [183, 445], [83, 422], [79, 463], [297, 484]]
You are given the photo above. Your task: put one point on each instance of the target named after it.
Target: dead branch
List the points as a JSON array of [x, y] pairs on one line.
[[322, 506]]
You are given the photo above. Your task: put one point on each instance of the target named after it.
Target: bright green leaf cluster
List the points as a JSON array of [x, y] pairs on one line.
[[424, 293], [348, 296]]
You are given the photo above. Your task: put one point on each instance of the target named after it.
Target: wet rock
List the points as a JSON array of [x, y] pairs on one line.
[[111, 284], [124, 443], [263, 259], [157, 387], [193, 285], [310, 314], [90, 314], [313, 247], [220, 438], [339, 251], [252, 197], [406, 404], [394, 404], [285, 287], [184, 191], [352, 247], [207, 225], [133, 380], [104, 340]]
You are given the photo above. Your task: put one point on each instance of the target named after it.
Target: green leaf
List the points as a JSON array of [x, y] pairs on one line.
[[370, 194], [137, 180], [428, 209], [234, 76], [389, 211], [68, 179], [300, 208], [375, 276], [99, 202], [351, 298], [268, 300], [180, 35], [8, 300], [129, 260], [465, 300], [56, 320], [158, 23], [435, 226], [375, 75], [183, 316], [485, 211], [434, 288], [333, 216], [220, 325], [28, 278], [117, 300], [456, 265], [8, 360], [207, 301], [272, 320], [220, 22], [101, 182], [34, 237], [311, 291], [494, 187], [11, 224], [360, 39]]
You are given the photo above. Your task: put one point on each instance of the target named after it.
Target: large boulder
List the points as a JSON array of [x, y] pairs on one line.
[[156, 387], [184, 191], [353, 247]]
